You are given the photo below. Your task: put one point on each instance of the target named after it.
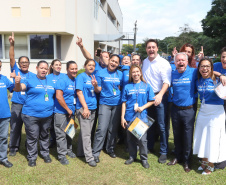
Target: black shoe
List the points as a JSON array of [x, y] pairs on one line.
[[162, 158], [52, 144], [32, 163], [129, 161], [71, 155], [145, 164], [112, 155], [186, 167], [6, 163], [92, 163], [96, 159], [64, 161], [12, 153], [47, 159]]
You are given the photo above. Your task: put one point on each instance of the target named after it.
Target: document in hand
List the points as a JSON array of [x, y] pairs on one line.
[[139, 125], [70, 128], [220, 90]]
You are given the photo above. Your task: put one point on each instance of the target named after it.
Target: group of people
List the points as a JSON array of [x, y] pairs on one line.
[[112, 94]]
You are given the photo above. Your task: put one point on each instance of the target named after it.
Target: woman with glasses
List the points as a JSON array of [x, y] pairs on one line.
[[209, 137]]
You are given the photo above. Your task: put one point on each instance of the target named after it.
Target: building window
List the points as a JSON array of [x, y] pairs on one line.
[[16, 11], [20, 46], [46, 11], [1, 46], [41, 46]]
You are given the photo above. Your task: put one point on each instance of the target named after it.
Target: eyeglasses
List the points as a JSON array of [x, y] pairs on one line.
[[24, 63], [205, 67]]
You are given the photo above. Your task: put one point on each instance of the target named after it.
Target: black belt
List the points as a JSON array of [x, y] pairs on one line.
[[183, 108]]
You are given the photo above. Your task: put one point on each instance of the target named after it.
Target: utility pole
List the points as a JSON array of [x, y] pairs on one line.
[[135, 35]]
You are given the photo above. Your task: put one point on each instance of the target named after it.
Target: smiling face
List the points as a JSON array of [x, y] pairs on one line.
[[104, 59], [188, 51], [24, 64], [136, 60], [136, 75], [42, 70], [113, 63], [90, 67], [56, 66], [205, 69], [152, 50], [181, 63], [72, 70], [126, 61], [223, 59]]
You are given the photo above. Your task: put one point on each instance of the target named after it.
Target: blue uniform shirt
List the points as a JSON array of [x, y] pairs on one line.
[[83, 83], [206, 91], [5, 84], [109, 81], [140, 92], [35, 104], [184, 87], [20, 97], [67, 85], [218, 67], [125, 76], [98, 67], [55, 78]]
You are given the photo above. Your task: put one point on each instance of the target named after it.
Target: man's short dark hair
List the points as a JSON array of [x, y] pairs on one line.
[[151, 40]]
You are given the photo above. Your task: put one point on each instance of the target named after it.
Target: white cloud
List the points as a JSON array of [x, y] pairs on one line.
[[160, 19]]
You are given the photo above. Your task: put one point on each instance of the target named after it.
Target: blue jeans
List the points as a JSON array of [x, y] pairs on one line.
[[4, 127], [159, 113]]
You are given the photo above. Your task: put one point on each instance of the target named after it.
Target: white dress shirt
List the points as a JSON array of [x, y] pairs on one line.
[[157, 72]]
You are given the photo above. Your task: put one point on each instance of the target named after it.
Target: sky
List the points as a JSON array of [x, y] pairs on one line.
[[162, 18]]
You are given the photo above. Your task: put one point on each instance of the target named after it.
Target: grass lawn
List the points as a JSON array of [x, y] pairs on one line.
[[108, 171]]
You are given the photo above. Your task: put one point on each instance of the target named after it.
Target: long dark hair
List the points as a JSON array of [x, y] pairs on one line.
[[191, 59], [212, 76]]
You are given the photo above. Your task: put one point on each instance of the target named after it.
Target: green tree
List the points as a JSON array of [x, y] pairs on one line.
[[214, 24], [127, 48]]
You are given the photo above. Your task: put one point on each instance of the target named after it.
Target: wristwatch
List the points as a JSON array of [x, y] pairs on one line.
[[221, 75]]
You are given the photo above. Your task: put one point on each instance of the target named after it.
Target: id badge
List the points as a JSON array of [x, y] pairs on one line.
[[22, 93], [114, 92], [46, 97], [135, 106], [92, 91], [203, 101], [74, 100]]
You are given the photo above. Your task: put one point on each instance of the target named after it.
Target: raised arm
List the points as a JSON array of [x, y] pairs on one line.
[[85, 53], [18, 86], [11, 50]]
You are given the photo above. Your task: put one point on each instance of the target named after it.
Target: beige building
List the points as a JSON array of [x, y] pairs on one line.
[[48, 29]]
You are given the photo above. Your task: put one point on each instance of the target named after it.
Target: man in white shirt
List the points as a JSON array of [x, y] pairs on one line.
[[157, 72]]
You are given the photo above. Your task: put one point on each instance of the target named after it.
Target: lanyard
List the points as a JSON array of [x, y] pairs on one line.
[[45, 87], [54, 76], [137, 91], [204, 87], [113, 79], [73, 84]]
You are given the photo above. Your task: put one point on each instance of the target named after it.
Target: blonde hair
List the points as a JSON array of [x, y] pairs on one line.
[[130, 73]]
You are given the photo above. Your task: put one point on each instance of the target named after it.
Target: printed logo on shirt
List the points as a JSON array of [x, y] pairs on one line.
[[209, 88], [133, 91], [111, 79], [2, 85], [71, 87], [41, 87], [182, 80]]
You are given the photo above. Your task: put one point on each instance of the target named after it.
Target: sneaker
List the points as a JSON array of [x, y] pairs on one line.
[[92, 163], [162, 158], [71, 155], [64, 161]]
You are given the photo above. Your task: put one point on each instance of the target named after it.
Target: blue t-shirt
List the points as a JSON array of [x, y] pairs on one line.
[[35, 104], [5, 84], [109, 82], [55, 78], [184, 87], [83, 83], [170, 89], [20, 97], [218, 67], [125, 76], [98, 67], [121, 57], [206, 91], [67, 85], [140, 92]]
